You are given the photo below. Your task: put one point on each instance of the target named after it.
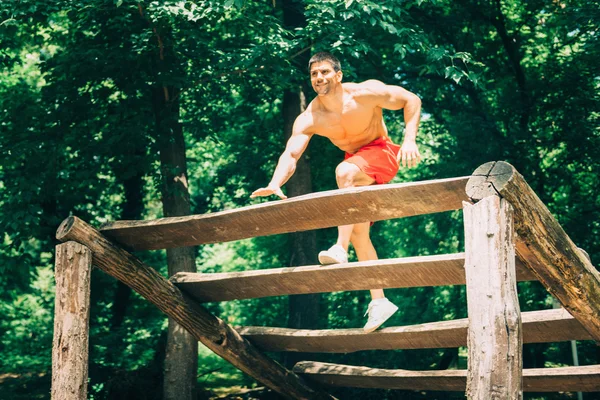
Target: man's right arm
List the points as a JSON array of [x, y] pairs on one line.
[[286, 166]]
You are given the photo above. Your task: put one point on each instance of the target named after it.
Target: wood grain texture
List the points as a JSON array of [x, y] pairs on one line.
[[313, 211], [446, 269], [70, 351], [538, 327], [543, 245], [495, 337], [567, 379], [205, 327]]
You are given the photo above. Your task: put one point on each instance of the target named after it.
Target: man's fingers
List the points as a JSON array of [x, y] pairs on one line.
[[267, 192], [409, 159], [260, 192]]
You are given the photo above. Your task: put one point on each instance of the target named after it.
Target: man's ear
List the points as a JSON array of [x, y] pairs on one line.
[[340, 75]]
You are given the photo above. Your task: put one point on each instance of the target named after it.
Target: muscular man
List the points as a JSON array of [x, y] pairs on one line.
[[350, 115]]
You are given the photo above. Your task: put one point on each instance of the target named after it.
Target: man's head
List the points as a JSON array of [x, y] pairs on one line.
[[325, 72]]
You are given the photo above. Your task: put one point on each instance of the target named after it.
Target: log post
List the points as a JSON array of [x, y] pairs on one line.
[[205, 327], [543, 245], [71, 322], [494, 338]]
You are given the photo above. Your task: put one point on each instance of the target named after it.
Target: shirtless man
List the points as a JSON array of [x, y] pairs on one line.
[[350, 115]]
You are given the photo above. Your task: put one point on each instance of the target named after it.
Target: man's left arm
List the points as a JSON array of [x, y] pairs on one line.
[[393, 97]]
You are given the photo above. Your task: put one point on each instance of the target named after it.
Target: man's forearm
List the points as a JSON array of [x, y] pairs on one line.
[[286, 166], [412, 117]]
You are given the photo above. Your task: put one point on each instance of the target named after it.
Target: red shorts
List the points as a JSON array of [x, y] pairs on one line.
[[377, 159]]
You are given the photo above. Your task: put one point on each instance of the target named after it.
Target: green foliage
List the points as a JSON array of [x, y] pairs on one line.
[[511, 80], [26, 327]]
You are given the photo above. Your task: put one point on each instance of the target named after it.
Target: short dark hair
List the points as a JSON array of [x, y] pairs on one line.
[[325, 56]]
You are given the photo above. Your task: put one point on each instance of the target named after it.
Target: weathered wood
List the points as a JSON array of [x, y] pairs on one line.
[[538, 327], [564, 379], [71, 322], [208, 329], [495, 338], [543, 245], [313, 211], [446, 269]]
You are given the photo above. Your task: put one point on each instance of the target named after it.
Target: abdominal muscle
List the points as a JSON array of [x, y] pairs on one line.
[[350, 140]]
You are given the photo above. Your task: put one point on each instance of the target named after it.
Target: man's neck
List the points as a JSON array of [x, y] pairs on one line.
[[334, 100]]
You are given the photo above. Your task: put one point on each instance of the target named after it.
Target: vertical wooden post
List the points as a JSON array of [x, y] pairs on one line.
[[495, 337], [71, 322]]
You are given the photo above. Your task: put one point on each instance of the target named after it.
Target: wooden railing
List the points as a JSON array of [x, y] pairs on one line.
[[492, 264]]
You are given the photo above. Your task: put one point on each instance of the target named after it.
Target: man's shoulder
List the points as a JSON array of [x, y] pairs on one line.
[[307, 119], [364, 88]]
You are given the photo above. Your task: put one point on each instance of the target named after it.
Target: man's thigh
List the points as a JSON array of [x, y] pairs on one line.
[[359, 178]]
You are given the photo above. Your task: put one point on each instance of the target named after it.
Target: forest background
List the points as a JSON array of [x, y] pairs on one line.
[[96, 96]]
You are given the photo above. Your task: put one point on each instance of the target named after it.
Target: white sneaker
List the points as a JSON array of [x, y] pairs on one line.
[[380, 310], [335, 255]]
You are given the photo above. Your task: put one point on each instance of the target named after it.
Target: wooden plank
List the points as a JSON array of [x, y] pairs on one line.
[[495, 338], [543, 245], [538, 327], [70, 349], [563, 379], [446, 269], [205, 327], [313, 211]]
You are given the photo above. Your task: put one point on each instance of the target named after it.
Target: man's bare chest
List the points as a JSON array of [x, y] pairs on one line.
[[352, 121]]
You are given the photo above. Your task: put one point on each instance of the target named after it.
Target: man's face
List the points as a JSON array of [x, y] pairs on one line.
[[323, 77]]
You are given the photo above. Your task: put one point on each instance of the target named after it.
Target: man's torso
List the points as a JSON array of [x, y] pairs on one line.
[[354, 126]]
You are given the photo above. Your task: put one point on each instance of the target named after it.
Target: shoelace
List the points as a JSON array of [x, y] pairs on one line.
[[371, 305]]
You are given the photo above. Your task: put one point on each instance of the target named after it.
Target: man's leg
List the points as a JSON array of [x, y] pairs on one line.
[[364, 250], [380, 308], [349, 175]]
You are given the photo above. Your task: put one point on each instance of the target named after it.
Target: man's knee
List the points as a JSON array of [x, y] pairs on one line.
[[346, 174], [360, 233]]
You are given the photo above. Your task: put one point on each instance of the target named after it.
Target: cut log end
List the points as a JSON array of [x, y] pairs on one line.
[[489, 179], [64, 228]]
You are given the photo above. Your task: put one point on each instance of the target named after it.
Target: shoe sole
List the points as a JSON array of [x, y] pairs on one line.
[[382, 322], [325, 259]]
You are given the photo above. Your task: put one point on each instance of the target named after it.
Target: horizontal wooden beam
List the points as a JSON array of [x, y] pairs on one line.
[[543, 245], [205, 327], [312, 211], [564, 379], [438, 270], [538, 327]]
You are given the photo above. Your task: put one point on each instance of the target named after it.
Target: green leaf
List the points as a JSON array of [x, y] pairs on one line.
[[436, 54]]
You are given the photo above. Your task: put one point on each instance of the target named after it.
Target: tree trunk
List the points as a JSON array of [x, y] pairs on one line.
[[181, 356], [303, 309], [133, 208]]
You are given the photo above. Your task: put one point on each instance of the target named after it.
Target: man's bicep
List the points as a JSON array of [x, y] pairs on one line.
[[302, 131]]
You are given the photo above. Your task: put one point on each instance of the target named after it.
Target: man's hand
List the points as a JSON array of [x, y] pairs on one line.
[[409, 154], [267, 191]]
